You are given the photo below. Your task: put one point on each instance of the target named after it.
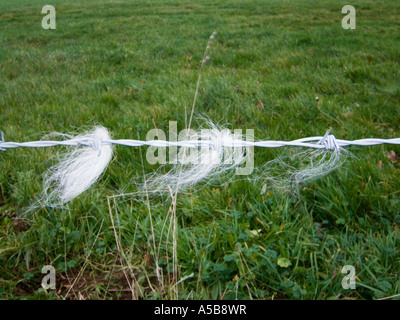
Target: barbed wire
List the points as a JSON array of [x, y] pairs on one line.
[[327, 141]]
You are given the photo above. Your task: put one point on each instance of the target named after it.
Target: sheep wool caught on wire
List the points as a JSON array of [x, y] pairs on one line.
[[90, 153], [78, 169]]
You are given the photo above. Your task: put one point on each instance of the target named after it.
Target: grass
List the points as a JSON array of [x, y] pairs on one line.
[[129, 65]]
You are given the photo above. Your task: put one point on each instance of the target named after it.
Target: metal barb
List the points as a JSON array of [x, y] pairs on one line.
[[329, 141], [2, 141]]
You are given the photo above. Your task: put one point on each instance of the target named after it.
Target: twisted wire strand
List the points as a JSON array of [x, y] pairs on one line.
[[326, 142]]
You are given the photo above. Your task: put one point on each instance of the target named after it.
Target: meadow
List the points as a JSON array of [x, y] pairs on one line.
[[133, 65]]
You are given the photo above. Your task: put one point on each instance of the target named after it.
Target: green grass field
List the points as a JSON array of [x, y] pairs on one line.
[[130, 65]]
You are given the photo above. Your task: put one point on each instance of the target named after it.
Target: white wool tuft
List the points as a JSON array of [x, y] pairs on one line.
[[219, 155], [294, 167], [80, 168]]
